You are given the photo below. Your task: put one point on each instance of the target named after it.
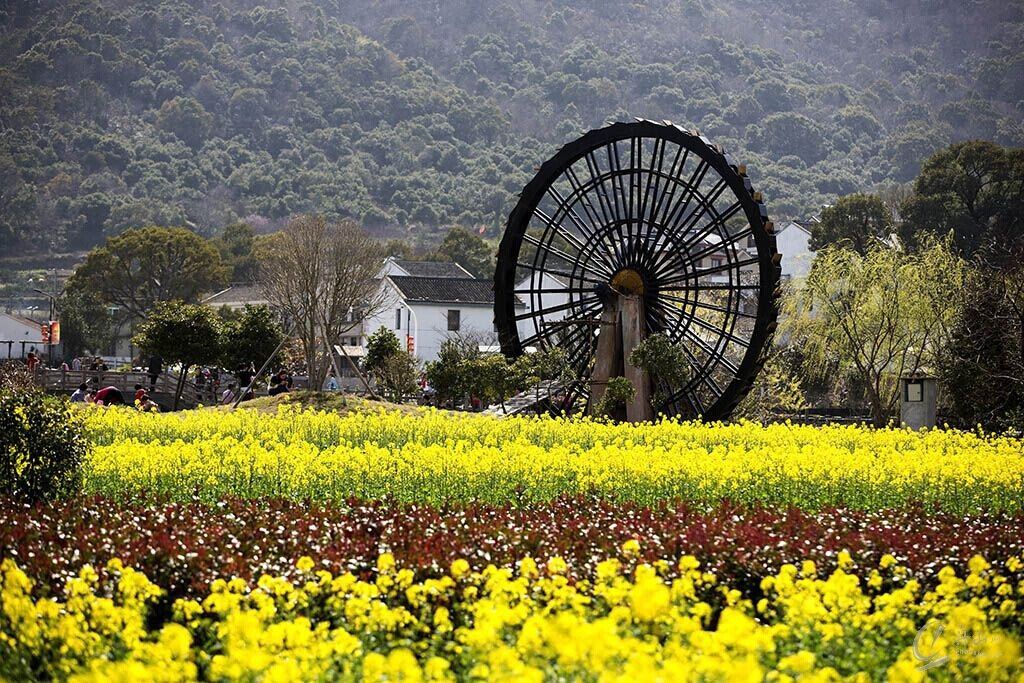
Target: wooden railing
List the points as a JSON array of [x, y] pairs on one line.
[[161, 391]]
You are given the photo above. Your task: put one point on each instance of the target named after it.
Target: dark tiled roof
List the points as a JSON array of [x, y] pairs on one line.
[[239, 293], [465, 290], [433, 269]]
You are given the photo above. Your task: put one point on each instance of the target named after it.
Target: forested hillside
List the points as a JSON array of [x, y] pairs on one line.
[[415, 114]]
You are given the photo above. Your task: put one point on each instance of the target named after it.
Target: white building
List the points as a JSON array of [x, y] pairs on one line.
[[425, 311], [19, 336], [793, 240]]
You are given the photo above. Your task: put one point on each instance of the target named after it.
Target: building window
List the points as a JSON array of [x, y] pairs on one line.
[[398, 318], [454, 320]]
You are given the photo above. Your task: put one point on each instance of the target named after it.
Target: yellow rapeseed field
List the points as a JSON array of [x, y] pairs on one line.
[[439, 456], [525, 623]]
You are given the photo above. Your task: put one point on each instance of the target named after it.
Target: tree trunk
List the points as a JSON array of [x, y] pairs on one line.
[[879, 411], [180, 387]]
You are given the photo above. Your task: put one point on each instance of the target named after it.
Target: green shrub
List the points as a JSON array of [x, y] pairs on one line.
[[617, 394], [42, 445]]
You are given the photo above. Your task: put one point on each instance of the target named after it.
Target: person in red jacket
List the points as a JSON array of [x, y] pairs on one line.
[[109, 396]]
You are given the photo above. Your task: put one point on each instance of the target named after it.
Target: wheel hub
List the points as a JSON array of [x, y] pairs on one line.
[[628, 281]]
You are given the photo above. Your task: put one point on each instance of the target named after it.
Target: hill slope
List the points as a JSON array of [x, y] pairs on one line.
[[119, 114]]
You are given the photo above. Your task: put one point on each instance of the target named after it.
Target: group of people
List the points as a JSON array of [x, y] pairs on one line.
[[112, 396], [206, 380], [95, 365]]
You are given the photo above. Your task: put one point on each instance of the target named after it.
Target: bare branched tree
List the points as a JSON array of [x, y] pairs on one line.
[[321, 275]]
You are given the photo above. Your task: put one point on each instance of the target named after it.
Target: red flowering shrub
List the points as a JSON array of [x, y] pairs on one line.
[[184, 546]]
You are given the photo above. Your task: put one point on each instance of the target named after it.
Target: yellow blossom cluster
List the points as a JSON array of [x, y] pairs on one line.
[[439, 456], [522, 623]]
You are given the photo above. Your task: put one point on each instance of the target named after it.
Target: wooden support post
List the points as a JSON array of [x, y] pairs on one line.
[[632, 325], [608, 357]]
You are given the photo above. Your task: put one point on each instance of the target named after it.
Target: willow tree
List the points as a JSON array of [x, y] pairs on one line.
[[865, 320], [322, 277]]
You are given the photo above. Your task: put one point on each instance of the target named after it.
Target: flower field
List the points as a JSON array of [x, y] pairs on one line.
[[441, 458], [382, 547]]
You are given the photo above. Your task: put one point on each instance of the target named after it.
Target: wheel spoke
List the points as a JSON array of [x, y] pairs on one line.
[[568, 258], [701, 304], [534, 269], [693, 275], [556, 309]]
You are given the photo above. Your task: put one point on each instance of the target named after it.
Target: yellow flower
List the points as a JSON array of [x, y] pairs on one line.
[[977, 564], [844, 560], [800, 663], [304, 564], [386, 563], [459, 568], [528, 568], [631, 547], [688, 563], [556, 565]]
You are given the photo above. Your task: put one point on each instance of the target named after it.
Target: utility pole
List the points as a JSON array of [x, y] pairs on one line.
[[52, 298]]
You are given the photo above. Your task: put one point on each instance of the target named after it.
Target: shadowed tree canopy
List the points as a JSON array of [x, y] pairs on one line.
[[180, 333], [189, 334], [975, 190], [236, 244], [983, 364], [250, 337], [469, 250], [857, 220], [411, 116], [139, 268]]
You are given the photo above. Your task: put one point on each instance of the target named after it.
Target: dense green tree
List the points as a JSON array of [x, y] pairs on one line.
[[469, 250], [236, 245], [85, 322], [858, 220], [982, 368], [791, 133], [973, 190], [250, 336], [189, 334], [186, 118], [380, 346], [140, 268], [447, 375], [390, 365], [365, 113]]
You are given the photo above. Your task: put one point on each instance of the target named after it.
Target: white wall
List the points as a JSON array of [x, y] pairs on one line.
[[544, 300], [390, 268], [793, 243], [12, 329], [428, 323]]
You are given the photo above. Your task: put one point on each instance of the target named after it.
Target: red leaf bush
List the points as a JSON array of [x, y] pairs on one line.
[[184, 546]]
